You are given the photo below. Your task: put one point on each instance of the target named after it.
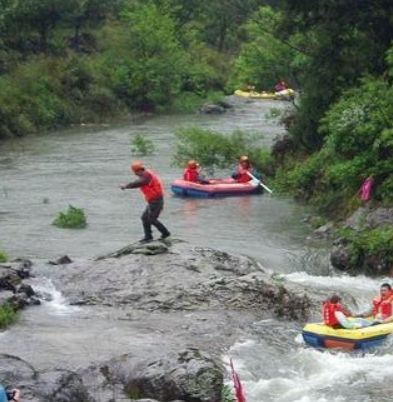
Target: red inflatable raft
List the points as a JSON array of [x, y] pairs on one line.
[[215, 188]]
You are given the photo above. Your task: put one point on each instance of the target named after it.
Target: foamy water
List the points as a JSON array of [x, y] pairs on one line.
[[307, 375]]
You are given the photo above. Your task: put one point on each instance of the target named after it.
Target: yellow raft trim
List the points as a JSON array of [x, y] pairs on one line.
[[264, 95], [350, 334]]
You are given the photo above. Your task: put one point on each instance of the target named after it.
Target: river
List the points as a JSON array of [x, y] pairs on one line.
[[42, 175]]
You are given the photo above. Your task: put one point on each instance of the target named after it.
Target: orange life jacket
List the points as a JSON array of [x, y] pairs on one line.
[[329, 318], [191, 175], [154, 189], [383, 306], [243, 176]]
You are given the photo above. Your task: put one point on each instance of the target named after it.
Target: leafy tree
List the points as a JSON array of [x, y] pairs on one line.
[[265, 57], [350, 39], [148, 61]]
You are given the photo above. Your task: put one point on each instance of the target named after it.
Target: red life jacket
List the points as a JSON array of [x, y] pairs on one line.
[[154, 189], [329, 318], [383, 307], [191, 175], [243, 176]]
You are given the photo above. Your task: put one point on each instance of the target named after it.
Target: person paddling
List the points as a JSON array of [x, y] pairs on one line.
[[241, 174], [152, 189]]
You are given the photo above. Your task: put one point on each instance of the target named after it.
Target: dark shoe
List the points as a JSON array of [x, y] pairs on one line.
[[146, 240], [165, 236]]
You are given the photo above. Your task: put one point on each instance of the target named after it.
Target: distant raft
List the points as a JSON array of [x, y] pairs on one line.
[[323, 336], [215, 188], [281, 95]]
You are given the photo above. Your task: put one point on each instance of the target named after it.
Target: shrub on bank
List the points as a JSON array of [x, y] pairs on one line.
[[370, 251], [73, 218], [8, 315]]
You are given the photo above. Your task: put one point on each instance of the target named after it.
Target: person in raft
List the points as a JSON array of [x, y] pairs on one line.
[[336, 316], [12, 396], [243, 171], [152, 189], [193, 174], [281, 86], [382, 306]]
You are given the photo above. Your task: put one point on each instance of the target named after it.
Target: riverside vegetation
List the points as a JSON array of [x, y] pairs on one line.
[[84, 61]]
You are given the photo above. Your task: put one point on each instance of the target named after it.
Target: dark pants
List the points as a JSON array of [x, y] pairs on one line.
[[150, 218]]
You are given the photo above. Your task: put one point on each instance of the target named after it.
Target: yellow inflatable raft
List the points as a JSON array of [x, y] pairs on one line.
[[323, 336], [285, 94]]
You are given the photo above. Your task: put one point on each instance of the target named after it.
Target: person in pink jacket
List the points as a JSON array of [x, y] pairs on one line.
[[366, 188]]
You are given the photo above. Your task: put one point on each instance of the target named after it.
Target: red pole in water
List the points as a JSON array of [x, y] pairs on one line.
[[237, 385]]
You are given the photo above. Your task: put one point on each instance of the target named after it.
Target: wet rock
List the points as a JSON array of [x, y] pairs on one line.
[[62, 261], [14, 370], [212, 108], [339, 258], [190, 375], [356, 220], [379, 217], [152, 248], [340, 241], [26, 289], [60, 386], [324, 230], [209, 279]]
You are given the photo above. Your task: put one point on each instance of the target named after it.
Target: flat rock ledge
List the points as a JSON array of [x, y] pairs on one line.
[[182, 278]]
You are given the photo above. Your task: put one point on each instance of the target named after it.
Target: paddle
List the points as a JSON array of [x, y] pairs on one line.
[[259, 182]]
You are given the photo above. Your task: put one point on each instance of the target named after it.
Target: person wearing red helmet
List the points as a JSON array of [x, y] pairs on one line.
[[152, 189], [241, 174], [191, 172]]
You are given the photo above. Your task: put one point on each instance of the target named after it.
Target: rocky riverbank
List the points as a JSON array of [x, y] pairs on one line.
[[362, 243], [186, 304]]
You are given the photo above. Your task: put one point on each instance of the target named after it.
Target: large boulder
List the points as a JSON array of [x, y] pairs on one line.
[[60, 386], [190, 375], [339, 258], [379, 217]]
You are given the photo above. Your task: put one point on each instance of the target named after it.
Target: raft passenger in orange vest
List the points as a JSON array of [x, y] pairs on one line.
[[152, 189], [241, 174], [330, 309], [336, 316], [382, 306], [191, 172]]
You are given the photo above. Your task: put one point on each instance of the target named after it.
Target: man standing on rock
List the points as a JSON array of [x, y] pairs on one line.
[[152, 189]]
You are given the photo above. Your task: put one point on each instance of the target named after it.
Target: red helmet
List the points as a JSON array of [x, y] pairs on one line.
[[192, 164], [136, 166]]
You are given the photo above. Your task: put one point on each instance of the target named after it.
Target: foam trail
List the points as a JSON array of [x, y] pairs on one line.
[[345, 282]]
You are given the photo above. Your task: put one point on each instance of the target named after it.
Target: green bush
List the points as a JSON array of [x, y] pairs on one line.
[[3, 256], [8, 315], [214, 150], [142, 146], [74, 218], [367, 245]]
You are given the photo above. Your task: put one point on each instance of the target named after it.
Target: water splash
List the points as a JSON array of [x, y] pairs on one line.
[[308, 375], [57, 303]]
